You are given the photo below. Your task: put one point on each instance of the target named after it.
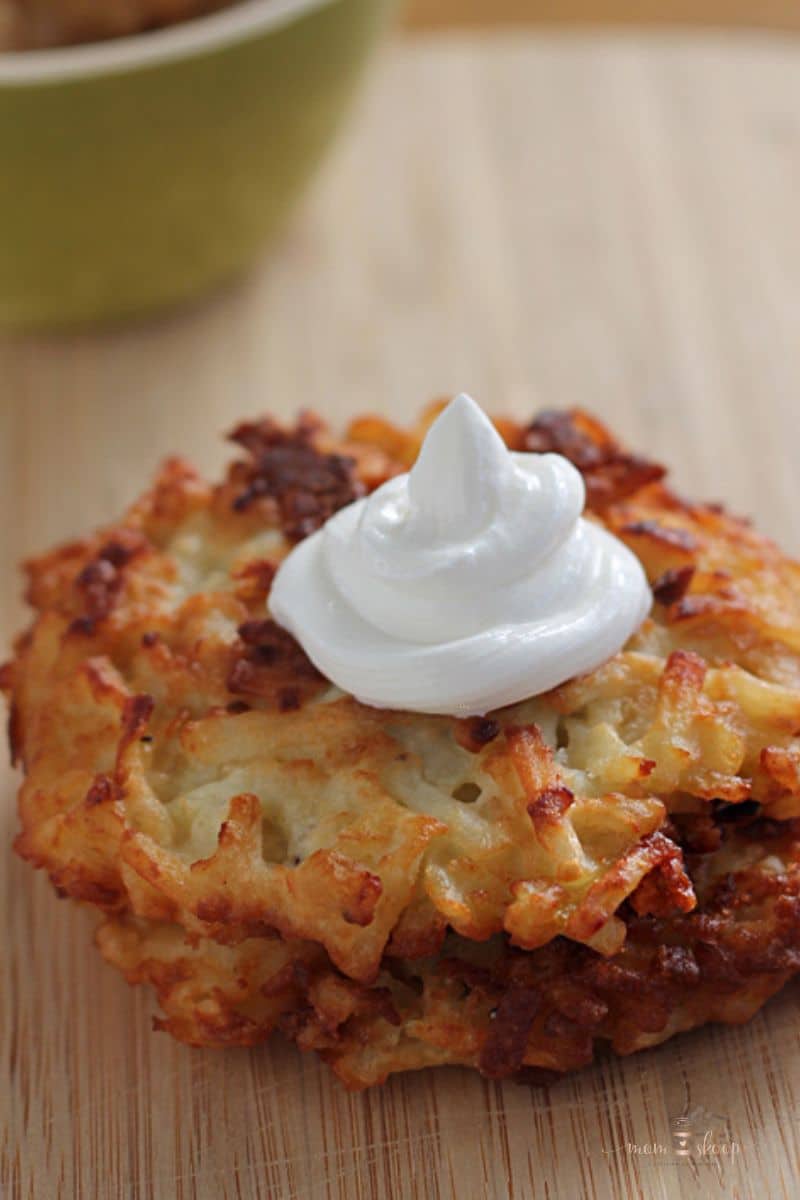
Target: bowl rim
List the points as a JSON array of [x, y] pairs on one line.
[[200, 35]]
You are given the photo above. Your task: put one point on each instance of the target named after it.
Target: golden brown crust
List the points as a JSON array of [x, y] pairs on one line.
[[487, 1005], [396, 890]]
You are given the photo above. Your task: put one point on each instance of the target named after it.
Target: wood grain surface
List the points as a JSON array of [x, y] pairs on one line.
[[606, 222]]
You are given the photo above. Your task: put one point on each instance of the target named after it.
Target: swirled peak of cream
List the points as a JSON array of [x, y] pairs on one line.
[[468, 584]]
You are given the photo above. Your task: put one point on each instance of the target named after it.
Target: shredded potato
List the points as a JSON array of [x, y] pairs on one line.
[[615, 861]]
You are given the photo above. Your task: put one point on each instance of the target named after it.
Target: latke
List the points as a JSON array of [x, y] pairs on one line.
[[609, 864]]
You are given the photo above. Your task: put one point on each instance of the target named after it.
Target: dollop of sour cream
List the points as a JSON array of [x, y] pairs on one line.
[[470, 583]]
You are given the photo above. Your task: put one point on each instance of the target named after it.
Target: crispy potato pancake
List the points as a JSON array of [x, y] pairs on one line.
[[608, 864]]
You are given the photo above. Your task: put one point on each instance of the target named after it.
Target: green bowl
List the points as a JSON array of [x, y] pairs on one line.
[[138, 173]]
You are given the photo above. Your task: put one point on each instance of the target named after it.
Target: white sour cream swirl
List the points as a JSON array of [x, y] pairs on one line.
[[468, 584]]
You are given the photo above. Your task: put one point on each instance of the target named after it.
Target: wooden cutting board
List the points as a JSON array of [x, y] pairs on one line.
[[610, 223]]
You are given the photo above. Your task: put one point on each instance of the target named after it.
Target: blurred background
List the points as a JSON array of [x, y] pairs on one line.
[[444, 13], [541, 203]]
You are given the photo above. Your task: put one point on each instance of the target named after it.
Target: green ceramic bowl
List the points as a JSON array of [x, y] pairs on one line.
[[137, 173]]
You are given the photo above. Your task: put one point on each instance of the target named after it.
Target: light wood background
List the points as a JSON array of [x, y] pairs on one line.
[[439, 14], [607, 222]]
